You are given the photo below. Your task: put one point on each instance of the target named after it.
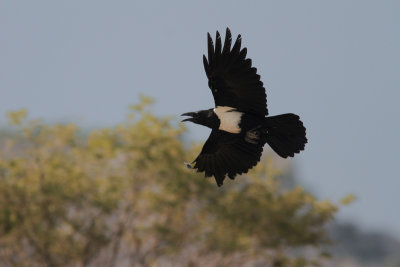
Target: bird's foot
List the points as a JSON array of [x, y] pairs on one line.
[[252, 136], [188, 165]]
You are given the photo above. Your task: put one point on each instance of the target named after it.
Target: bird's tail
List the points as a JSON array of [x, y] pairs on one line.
[[286, 134]]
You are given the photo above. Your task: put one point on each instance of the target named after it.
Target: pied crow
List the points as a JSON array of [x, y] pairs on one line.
[[240, 123]]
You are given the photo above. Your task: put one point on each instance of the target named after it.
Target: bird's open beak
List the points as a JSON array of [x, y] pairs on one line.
[[191, 114]]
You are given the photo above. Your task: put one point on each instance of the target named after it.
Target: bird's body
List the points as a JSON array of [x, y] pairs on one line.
[[239, 122]]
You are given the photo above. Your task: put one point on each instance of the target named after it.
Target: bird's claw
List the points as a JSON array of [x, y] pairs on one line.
[[252, 136], [190, 167]]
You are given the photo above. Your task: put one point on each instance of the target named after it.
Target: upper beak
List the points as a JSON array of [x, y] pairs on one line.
[[191, 114]]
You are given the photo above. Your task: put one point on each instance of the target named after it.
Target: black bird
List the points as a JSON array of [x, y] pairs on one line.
[[239, 122]]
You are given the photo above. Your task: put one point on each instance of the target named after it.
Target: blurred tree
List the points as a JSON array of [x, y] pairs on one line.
[[122, 196]]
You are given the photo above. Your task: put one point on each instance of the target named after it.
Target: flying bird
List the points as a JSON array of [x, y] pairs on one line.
[[240, 125]]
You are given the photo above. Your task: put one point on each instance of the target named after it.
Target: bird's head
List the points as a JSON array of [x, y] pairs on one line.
[[203, 117]]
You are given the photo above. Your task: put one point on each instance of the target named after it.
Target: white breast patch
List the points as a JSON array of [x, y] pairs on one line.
[[229, 119]]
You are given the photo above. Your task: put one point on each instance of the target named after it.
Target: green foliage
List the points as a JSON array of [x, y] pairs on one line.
[[123, 194], [16, 117], [350, 198]]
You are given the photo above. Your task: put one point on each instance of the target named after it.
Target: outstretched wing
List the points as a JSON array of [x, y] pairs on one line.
[[227, 154], [232, 79]]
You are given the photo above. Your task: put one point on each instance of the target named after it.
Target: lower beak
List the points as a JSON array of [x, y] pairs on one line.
[[191, 114]]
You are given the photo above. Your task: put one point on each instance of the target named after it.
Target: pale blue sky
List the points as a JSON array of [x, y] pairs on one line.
[[336, 64]]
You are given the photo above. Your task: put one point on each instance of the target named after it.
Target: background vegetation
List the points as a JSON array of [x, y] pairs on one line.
[[122, 196]]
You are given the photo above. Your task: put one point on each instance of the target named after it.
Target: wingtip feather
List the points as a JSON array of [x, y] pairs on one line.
[[218, 44], [210, 48], [206, 66], [237, 45], [227, 43]]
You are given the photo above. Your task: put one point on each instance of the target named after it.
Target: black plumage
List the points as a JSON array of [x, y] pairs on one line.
[[232, 79], [226, 153], [239, 122]]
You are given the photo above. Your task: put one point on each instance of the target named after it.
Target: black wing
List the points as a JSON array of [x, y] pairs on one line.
[[227, 154], [232, 79]]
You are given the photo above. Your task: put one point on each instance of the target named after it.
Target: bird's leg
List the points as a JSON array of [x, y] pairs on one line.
[[253, 136], [188, 165]]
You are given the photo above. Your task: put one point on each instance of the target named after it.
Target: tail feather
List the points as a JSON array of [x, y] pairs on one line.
[[286, 134]]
